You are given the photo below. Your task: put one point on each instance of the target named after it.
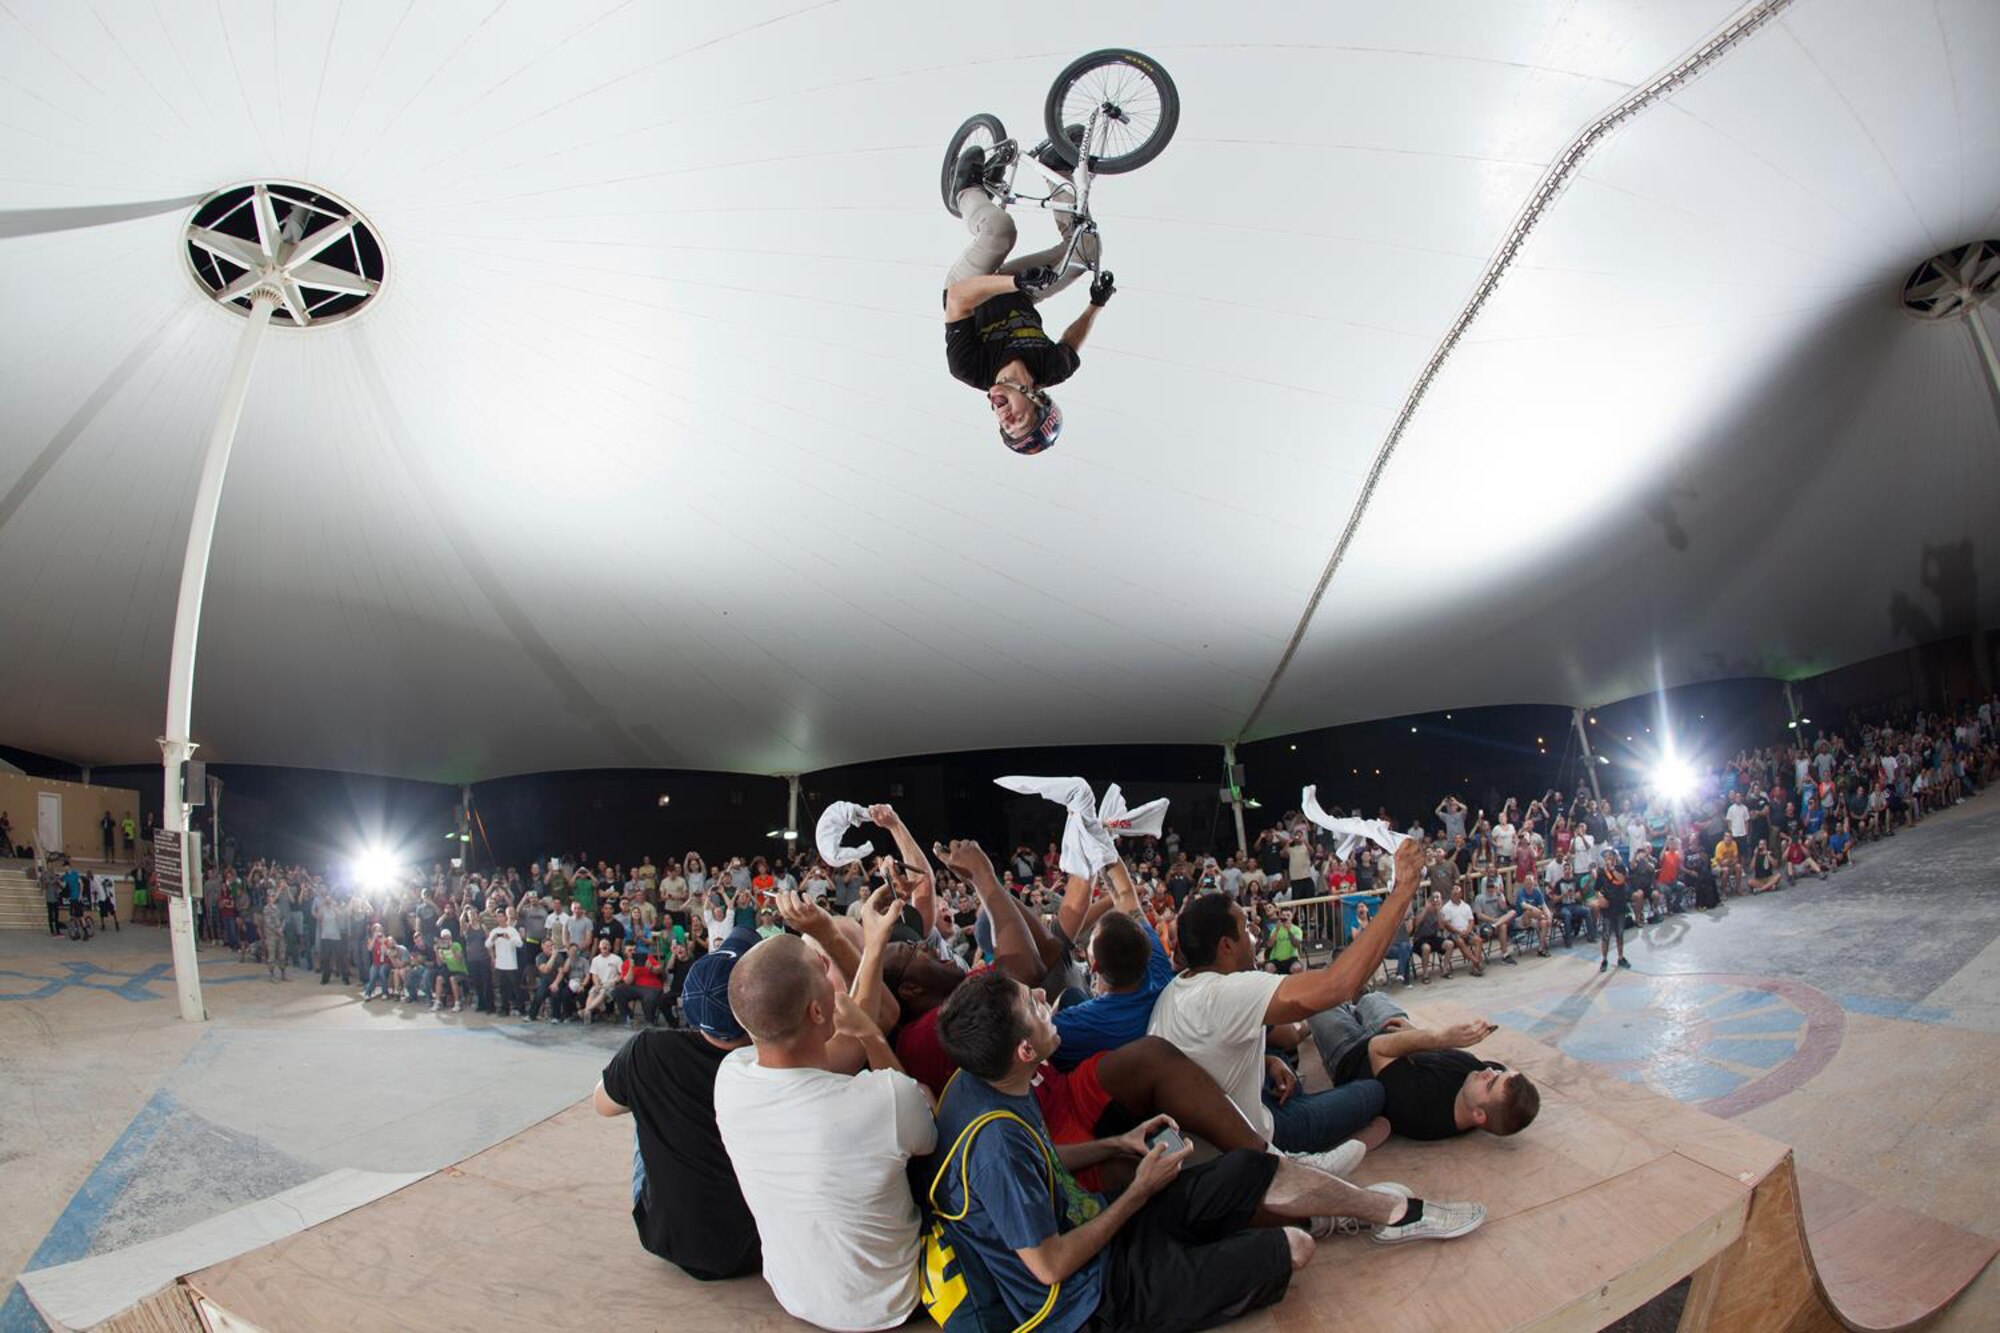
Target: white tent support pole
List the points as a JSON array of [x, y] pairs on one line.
[[792, 809], [1982, 339], [1235, 794], [1792, 705], [176, 745], [1589, 759]]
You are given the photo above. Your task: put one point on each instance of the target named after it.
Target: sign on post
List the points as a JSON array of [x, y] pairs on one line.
[[172, 853]]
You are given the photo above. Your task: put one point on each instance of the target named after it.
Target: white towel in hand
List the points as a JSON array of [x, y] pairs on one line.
[[1145, 822], [1352, 832], [1088, 847], [834, 822]]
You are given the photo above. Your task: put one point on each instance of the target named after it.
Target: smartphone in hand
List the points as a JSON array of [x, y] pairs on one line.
[[1167, 1136]]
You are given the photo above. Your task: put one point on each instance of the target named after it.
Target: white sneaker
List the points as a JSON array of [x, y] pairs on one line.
[[1441, 1221], [456, 1006], [1323, 1227], [1336, 1161]]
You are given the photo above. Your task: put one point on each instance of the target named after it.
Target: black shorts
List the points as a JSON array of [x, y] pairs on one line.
[[1435, 943], [1189, 1258]]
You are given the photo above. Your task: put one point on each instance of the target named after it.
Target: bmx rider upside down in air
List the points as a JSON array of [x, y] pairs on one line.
[[993, 335]]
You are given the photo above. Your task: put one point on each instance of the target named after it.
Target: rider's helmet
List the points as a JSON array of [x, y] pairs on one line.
[[1046, 427]]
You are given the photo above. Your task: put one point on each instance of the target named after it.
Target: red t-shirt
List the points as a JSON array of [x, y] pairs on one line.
[[1670, 867]]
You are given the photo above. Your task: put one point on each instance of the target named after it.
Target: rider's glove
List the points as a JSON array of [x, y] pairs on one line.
[[1037, 279], [1101, 288]]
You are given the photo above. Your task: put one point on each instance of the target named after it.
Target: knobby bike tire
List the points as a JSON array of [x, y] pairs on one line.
[[983, 121], [1149, 69]]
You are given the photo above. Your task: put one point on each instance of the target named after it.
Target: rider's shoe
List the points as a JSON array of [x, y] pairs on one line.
[[971, 171], [1049, 158]]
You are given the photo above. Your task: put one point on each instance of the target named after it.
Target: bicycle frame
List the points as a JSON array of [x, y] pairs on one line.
[[1079, 181]]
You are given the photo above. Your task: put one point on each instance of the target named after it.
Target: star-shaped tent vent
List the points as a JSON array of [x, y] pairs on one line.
[[314, 252]]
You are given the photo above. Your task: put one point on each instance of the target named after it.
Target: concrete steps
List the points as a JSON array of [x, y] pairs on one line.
[[21, 906]]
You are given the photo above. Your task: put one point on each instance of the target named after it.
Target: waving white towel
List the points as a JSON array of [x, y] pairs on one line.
[[1145, 822], [1088, 845], [834, 822], [1352, 832]]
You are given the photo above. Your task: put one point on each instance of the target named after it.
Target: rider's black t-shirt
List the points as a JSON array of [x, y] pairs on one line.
[[1005, 328]]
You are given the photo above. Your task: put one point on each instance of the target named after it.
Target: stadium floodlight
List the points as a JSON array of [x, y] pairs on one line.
[[1674, 779], [376, 868]]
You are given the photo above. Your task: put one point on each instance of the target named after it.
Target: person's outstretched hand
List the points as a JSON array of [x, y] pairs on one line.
[[801, 913], [1409, 862], [966, 857], [1469, 1033], [1102, 288], [879, 917], [883, 815]]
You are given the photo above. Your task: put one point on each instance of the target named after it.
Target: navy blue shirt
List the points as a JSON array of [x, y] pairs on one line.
[[1106, 1022], [1012, 1206]]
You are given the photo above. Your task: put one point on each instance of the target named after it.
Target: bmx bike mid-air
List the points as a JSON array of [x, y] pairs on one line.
[[1120, 104]]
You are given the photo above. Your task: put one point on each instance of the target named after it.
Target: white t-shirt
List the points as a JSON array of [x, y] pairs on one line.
[[1738, 816], [1503, 840], [606, 967], [820, 1158], [503, 941], [1457, 915], [1217, 1018]]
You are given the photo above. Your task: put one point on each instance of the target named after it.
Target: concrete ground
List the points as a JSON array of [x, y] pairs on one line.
[[120, 1124], [1858, 1020]]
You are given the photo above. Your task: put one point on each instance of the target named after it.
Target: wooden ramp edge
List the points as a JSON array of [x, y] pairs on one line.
[[1613, 1196], [1829, 1257]]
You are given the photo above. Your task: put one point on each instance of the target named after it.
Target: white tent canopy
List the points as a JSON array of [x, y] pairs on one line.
[[646, 453]]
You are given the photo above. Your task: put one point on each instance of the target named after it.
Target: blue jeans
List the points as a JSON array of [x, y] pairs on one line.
[[378, 980], [1400, 951], [1316, 1121]]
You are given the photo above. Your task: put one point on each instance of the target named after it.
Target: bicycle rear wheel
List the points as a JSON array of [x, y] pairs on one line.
[[982, 131], [1140, 104]]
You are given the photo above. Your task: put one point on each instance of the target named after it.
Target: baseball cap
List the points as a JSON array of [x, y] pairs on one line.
[[705, 996]]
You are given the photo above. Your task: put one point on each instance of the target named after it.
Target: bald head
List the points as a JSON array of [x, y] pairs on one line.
[[772, 985]]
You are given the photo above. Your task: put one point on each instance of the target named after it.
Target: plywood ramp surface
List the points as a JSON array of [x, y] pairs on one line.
[[1611, 1197]]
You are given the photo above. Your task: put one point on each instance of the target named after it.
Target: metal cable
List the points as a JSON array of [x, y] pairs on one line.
[[1745, 22]]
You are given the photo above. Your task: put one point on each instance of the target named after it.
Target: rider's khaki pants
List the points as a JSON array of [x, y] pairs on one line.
[[993, 236]]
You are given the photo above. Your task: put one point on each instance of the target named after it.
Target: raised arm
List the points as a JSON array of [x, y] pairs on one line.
[[1123, 891], [1389, 1046], [878, 921], [1304, 994], [923, 893], [1076, 905], [1101, 289], [1013, 945]]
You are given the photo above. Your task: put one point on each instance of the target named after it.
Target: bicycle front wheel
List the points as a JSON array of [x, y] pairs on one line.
[[982, 131], [1138, 104]]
